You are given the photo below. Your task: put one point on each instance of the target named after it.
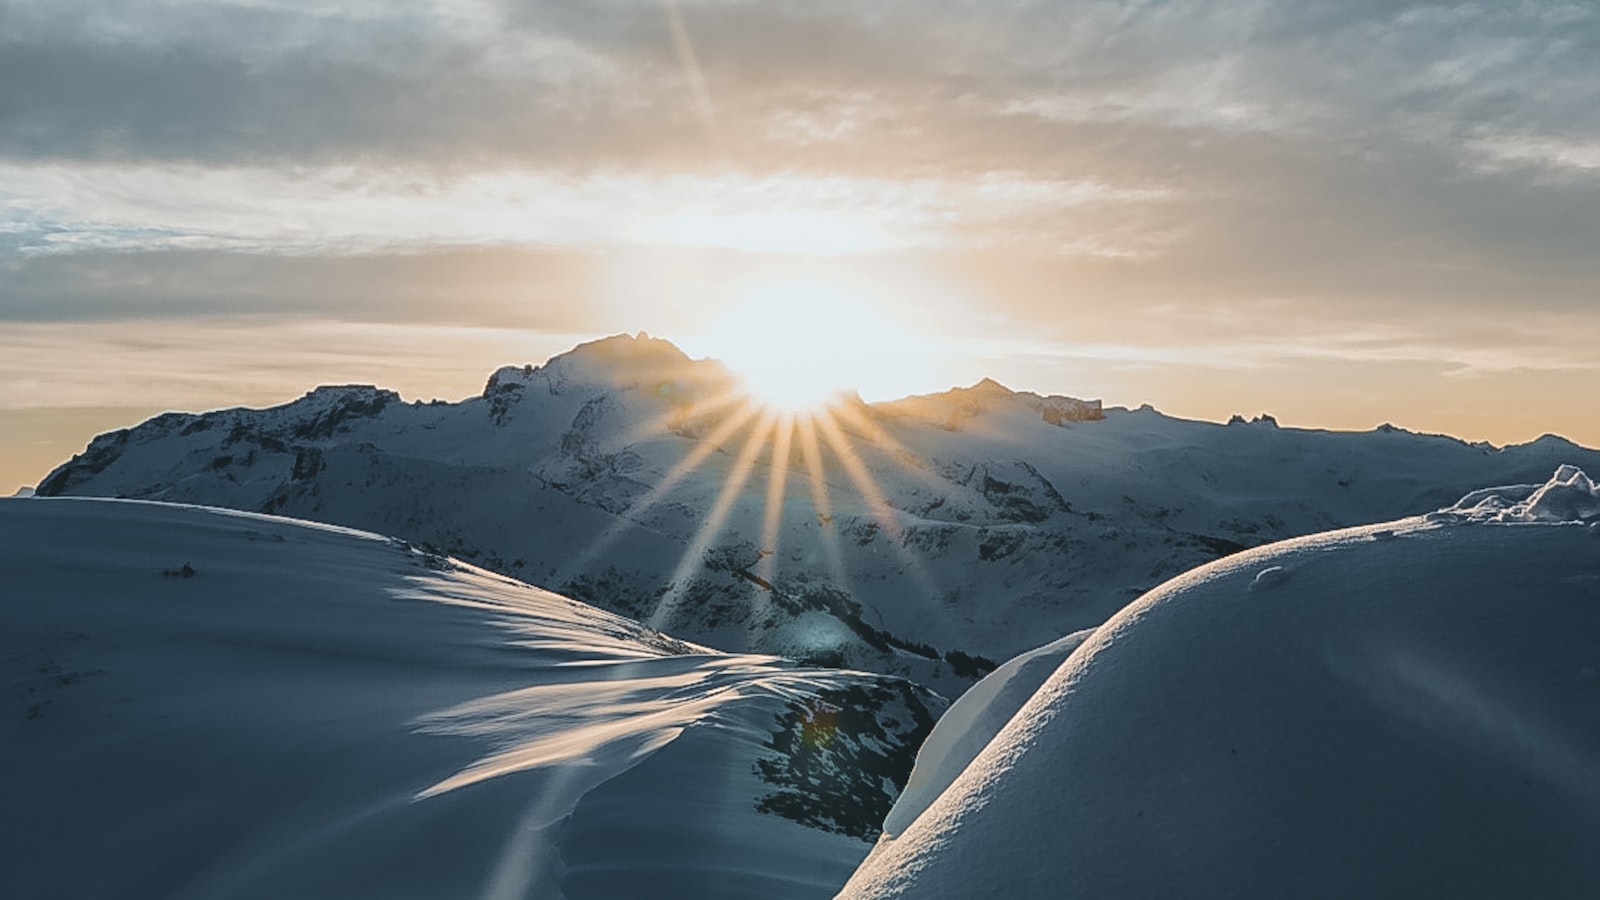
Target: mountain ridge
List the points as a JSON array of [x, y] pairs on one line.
[[926, 537]]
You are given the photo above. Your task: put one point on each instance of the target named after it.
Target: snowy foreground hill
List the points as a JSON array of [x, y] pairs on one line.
[[1401, 710], [927, 537], [206, 704]]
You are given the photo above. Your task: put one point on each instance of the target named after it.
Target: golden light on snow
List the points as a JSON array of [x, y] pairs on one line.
[[798, 346]]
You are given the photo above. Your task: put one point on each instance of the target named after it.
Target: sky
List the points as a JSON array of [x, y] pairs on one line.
[[1343, 214]]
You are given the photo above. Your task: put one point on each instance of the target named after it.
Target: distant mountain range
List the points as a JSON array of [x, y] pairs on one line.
[[927, 537]]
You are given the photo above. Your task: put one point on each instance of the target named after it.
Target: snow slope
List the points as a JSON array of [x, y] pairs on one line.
[[941, 532], [972, 722], [207, 704], [1407, 709]]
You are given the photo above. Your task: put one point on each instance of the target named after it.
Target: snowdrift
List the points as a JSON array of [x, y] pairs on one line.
[[204, 704], [1407, 709]]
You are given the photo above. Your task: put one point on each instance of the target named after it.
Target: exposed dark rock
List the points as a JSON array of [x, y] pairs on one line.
[[308, 462], [841, 759], [352, 402], [101, 452]]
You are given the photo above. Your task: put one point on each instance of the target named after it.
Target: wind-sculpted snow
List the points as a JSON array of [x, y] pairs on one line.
[[1569, 496], [926, 537], [1400, 710], [212, 704]]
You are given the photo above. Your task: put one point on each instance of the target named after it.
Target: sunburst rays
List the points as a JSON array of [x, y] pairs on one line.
[[882, 512], [730, 493], [628, 518], [777, 484], [759, 458], [857, 472], [821, 500], [772, 519]]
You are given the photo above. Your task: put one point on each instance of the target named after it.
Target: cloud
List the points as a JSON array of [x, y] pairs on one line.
[[202, 363], [596, 84], [1550, 153], [505, 287], [1358, 162], [58, 208]]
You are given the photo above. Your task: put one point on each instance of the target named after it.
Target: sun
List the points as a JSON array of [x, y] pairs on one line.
[[799, 346]]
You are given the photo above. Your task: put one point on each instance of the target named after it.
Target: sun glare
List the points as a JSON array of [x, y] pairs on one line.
[[798, 346]]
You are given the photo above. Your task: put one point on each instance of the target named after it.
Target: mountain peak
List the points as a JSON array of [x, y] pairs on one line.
[[952, 409], [990, 386], [623, 351], [618, 360]]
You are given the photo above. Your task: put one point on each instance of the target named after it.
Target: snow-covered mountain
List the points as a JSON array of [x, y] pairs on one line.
[[1399, 710], [925, 537], [209, 704]]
